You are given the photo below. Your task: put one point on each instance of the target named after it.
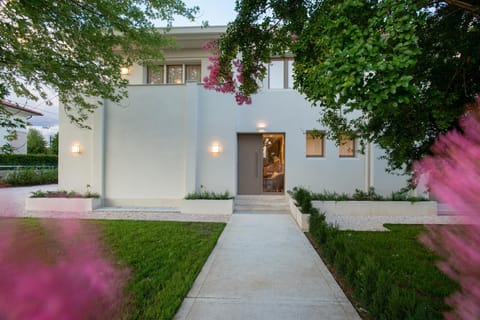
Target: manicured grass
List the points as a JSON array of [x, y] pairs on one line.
[[164, 259], [390, 273]]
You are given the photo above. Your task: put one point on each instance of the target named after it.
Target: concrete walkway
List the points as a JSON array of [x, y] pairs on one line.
[[263, 267], [12, 200]]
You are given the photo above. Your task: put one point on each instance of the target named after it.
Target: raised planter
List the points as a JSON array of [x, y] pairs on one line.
[[302, 219], [377, 208], [207, 206], [62, 204]]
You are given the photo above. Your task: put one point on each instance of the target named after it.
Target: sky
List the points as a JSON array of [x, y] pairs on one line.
[[216, 12]]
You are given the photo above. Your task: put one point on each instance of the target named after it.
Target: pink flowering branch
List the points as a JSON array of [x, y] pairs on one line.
[[224, 81], [453, 175], [72, 281]]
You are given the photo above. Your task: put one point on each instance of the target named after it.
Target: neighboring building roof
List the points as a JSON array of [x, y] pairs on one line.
[[17, 107]]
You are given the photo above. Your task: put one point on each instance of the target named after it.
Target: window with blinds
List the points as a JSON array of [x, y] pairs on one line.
[[346, 147], [315, 144]]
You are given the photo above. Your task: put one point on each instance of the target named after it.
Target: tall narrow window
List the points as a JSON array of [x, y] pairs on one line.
[[193, 72], [315, 142], [155, 75], [276, 74], [290, 73], [346, 147], [175, 74]]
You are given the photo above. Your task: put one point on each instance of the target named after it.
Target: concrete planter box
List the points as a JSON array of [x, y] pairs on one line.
[[62, 204], [207, 206], [302, 219], [377, 208]]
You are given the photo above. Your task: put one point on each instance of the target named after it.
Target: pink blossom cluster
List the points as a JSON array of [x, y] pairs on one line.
[[225, 83], [62, 275], [453, 176]]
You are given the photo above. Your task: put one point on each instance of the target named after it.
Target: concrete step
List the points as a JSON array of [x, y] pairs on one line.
[[261, 203], [260, 197], [260, 208]]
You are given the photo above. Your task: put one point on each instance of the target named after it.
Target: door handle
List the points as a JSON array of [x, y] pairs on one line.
[[256, 164]]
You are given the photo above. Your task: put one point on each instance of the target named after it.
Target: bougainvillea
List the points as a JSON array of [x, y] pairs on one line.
[[56, 273], [224, 81], [453, 176]]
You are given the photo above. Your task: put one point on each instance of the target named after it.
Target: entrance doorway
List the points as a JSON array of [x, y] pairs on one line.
[[261, 163]]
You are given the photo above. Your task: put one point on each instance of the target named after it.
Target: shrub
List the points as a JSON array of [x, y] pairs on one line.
[[63, 194], [208, 195], [370, 195], [360, 195], [29, 160], [330, 196], [303, 198], [30, 176]]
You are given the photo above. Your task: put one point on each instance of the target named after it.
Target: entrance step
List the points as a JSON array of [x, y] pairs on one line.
[[261, 203]]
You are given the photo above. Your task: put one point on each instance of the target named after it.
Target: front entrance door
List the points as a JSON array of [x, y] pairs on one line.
[[249, 163], [261, 163]]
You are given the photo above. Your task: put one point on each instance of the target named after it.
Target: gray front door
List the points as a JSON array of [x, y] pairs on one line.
[[250, 163]]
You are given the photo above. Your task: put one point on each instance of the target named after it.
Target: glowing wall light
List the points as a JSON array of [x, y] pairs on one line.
[[261, 125], [125, 71], [76, 148], [215, 148]]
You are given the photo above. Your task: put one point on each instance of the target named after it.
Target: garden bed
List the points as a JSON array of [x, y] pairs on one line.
[[302, 219], [62, 204], [62, 201]]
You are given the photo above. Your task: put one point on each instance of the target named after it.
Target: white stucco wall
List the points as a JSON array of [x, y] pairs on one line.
[[286, 111], [75, 171], [145, 146], [384, 182], [216, 118]]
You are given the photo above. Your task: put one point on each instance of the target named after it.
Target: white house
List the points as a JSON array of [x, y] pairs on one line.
[[19, 145], [172, 137]]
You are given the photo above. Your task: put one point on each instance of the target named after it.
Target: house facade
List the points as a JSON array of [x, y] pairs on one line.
[[171, 137], [19, 145]]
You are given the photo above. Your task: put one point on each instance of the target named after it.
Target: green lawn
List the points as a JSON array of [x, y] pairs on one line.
[[164, 259], [390, 273]]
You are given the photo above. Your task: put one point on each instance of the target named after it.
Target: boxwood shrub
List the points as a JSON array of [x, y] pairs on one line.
[[29, 160]]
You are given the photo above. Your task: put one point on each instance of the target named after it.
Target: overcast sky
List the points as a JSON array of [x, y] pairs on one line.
[[216, 12]]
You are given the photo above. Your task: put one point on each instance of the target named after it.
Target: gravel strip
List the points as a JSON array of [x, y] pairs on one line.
[[376, 223]]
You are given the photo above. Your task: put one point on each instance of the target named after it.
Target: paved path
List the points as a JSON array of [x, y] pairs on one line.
[[12, 200], [263, 267]]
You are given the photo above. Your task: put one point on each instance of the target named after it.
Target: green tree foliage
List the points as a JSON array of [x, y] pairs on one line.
[[36, 143], [394, 72], [77, 47], [53, 148]]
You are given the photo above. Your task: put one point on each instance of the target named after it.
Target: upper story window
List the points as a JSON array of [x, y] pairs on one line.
[[280, 74], [346, 147], [174, 73]]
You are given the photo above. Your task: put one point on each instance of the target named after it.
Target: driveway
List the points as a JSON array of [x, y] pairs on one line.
[[12, 200]]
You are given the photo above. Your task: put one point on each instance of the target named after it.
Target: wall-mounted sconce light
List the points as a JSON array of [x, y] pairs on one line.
[[125, 71], [76, 148], [215, 148], [261, 125]]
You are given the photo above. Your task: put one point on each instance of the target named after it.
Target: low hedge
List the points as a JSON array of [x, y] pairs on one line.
[[390, 273], [31, 177], [28, 160]]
